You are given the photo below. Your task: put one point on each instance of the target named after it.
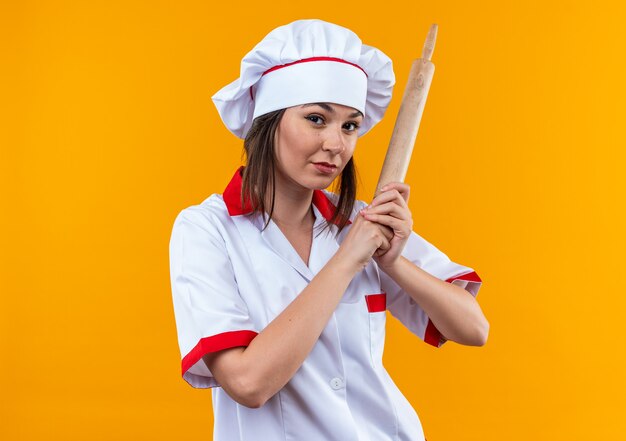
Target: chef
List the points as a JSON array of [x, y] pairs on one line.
[[280, 287]]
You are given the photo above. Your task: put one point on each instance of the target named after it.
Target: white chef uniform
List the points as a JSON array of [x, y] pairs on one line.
[[230, 280]]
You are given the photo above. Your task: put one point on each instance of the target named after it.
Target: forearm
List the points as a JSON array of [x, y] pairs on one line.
[[453, 310]]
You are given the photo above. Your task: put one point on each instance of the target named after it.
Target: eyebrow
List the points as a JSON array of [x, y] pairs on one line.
[[331, 110]]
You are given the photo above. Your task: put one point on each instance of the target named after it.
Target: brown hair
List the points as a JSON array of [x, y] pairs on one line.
[[260, 171]]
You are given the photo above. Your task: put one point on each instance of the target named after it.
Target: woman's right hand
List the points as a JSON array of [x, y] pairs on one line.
[[362, 241]]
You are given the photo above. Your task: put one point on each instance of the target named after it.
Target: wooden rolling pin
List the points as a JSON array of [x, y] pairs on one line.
[[409, 117]]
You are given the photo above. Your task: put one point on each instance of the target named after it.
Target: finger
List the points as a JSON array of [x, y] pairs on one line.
[[379, 252], [389, 208], [386, 208], [384, 229], [385, 245], [401, 187], [390, 221], [387, 232], [393, 195], [383, 197]]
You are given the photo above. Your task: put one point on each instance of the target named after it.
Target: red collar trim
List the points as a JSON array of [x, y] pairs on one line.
[[232, 200], [232, 193]]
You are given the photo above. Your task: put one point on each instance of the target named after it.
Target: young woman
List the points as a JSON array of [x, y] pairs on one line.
[[280, 287]]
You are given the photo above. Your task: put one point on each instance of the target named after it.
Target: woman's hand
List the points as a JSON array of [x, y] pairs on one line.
[[363, 239], [390, 208]]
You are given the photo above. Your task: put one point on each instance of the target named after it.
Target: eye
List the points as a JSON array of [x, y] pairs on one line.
[[351, 126], [315, 119]]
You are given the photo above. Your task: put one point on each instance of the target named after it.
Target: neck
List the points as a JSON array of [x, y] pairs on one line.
[[292, 206]]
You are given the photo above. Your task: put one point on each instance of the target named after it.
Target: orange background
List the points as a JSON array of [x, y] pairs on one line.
[[108, 131]]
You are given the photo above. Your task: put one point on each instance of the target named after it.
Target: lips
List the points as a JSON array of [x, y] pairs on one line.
[[326, 164], [325, 167]]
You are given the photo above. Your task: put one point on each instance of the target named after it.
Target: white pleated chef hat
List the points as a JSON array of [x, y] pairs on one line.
[[307, 61]]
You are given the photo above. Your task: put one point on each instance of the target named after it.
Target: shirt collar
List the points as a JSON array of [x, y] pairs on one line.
[[232, 199]]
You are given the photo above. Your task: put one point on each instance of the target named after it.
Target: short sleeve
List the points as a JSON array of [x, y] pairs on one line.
[[209, 311], [433, 261]]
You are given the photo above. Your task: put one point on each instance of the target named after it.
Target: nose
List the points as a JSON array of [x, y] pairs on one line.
[[334, 141]]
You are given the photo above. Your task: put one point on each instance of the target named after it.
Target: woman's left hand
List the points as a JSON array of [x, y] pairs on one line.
[[390, 208]]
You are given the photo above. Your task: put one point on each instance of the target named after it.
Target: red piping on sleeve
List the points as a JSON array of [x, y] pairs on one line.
[[216, 343], [470, 277], [432, 336]]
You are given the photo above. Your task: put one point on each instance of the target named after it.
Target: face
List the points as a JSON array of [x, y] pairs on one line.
[[314, 142]]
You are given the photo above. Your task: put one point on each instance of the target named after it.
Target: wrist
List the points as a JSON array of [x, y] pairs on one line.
[[392, 268], [344, 265]]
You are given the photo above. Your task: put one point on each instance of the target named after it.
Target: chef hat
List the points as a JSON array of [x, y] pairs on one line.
[[307, 61]]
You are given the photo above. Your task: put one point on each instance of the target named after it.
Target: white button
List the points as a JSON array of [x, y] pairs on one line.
[[336, 383]]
